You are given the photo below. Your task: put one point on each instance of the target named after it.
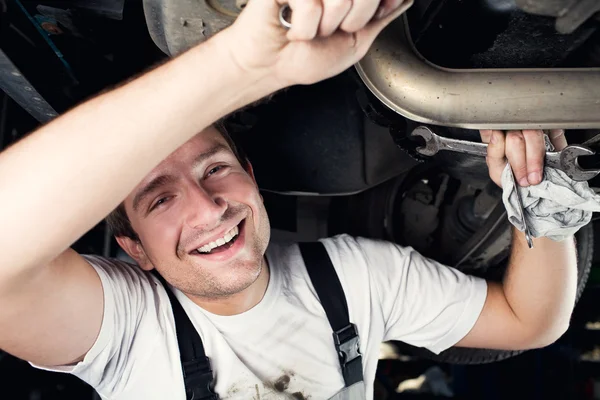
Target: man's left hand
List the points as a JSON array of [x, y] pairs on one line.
[[524, 150]]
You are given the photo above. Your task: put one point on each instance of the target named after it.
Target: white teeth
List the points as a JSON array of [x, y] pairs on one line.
[[233, 232]]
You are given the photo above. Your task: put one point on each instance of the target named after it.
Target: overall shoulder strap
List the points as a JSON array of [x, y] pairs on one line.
[[332, 297], [197, 374]]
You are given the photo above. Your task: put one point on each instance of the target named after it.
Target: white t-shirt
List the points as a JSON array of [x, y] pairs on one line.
[[285, 341]]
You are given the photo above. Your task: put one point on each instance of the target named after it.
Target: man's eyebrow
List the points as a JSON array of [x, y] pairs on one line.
[[151, 187], [218, 148], [166, 179]]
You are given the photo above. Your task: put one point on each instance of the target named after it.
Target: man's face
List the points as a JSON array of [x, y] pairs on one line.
[[198, 198]]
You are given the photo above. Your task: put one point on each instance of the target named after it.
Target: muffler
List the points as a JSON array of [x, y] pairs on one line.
[[407, 83]]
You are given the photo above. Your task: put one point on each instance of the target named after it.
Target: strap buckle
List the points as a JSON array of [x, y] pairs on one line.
[[347, 344]]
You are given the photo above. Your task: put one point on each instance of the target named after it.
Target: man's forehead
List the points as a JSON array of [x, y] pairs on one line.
[[198, 144], [186, 154]]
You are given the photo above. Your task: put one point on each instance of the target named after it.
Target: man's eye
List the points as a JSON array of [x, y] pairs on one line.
[[159, 202], [214, 170]]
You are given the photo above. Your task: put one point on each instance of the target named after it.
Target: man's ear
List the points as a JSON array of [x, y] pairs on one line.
[[136, 251]]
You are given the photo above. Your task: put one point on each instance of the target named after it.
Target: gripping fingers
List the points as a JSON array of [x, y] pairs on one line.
[[334, 12], [387, 7], [360, 14], [516, 155], [495, 159], [558, 139], [535, 152], [306, 18], [364, 11], [486, 135]]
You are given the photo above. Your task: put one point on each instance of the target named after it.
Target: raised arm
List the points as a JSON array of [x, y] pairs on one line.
[[533, 305], [64, 178]]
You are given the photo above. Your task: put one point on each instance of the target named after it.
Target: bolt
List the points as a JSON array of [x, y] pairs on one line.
[[28, 88], [240, 4]]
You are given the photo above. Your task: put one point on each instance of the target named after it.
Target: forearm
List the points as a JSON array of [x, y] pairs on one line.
[[89, 159], [541, 283]]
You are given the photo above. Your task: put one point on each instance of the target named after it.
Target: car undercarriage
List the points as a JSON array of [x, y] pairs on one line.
[[337, 156]]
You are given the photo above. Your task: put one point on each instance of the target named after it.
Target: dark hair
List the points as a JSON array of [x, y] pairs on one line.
[[118, 221]]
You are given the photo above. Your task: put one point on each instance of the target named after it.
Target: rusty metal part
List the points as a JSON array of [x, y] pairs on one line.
[[177, 25], [478, 99], [565, 160]]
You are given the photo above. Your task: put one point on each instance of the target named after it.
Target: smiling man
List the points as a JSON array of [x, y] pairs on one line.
[[187, 209], [199, 220]]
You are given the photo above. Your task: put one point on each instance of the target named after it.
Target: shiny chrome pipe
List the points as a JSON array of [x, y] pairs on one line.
[[477, 98]]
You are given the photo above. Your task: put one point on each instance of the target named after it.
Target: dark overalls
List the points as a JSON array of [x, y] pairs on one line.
[[197, 373]]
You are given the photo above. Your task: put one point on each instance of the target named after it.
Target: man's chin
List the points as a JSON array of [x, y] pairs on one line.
[[227, 283]]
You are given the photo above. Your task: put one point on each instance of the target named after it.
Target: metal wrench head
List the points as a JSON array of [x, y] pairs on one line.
[[431, 141], [570, 164]]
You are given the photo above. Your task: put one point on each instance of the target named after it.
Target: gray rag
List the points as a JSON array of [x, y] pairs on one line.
[[555, 208]]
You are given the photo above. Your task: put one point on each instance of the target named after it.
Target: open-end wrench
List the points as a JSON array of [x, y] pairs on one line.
[[565, 160]]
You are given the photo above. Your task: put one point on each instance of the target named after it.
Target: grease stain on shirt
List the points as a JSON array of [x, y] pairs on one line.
[[282, 383]]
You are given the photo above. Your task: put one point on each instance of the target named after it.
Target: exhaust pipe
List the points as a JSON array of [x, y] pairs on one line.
[[477, 98]]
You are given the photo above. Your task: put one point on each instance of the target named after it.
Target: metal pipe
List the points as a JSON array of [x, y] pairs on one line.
[[477, 98]]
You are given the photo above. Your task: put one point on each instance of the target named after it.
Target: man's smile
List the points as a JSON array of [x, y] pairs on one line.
[[218, 244], [223, 249]]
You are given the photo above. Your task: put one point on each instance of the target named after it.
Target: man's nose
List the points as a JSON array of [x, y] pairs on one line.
[[205, 209]]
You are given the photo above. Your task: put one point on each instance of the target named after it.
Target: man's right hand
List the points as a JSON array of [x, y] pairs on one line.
[[326, 37]]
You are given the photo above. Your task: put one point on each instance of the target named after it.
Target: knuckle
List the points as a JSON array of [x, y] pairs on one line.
[[520, 170], [535, 164], [388, 4], [494, 152], [350, 25], [534, 133], [515, 137], [337, 5], [311, 7], [356, 18], [536, 137]]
